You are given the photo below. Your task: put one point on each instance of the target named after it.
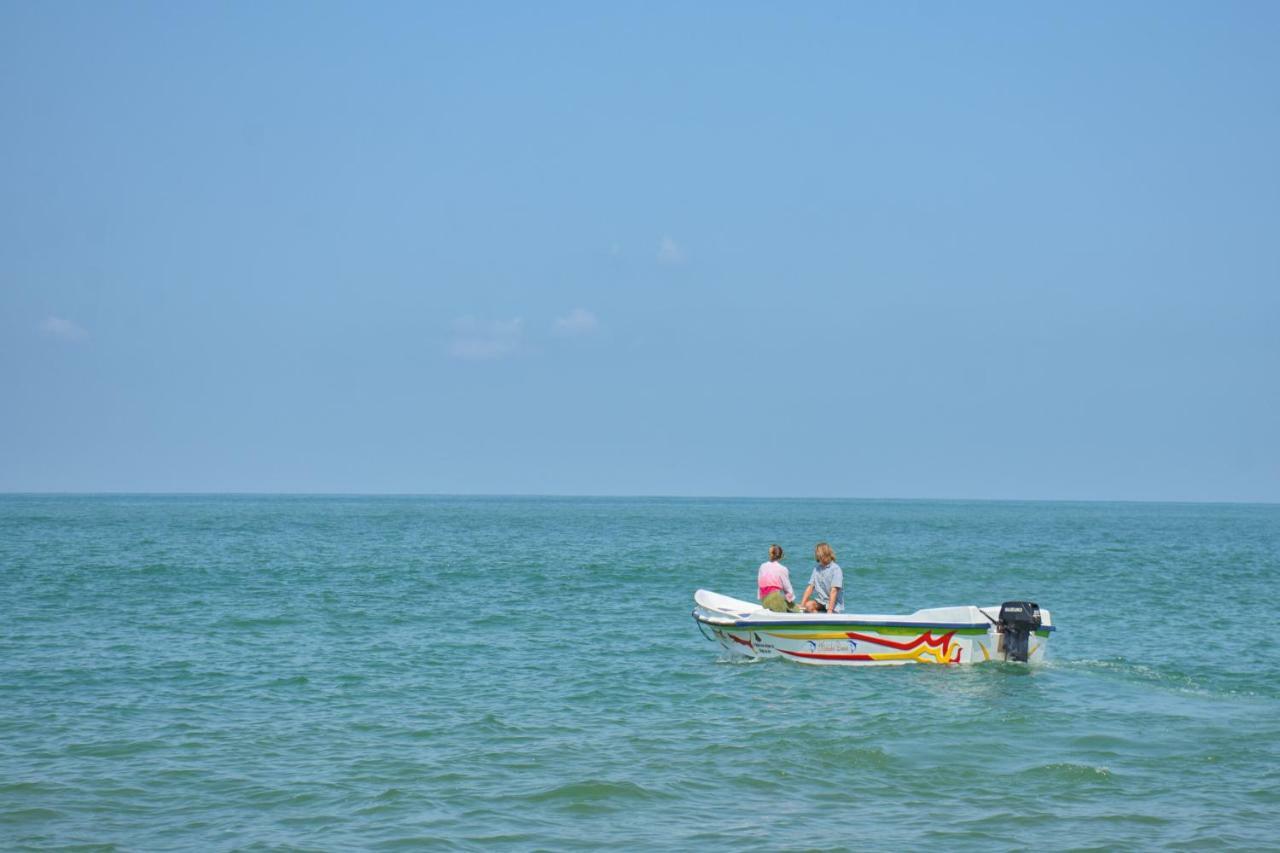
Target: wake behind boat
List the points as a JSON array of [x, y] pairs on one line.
[[1013, 631]]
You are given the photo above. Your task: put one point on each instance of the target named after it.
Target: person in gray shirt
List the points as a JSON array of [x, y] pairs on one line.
[[825, 592]]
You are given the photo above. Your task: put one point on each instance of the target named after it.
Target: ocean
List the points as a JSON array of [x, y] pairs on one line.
[[486, 673]]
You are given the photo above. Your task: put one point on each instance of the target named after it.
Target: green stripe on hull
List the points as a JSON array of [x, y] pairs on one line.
[[884, 630]]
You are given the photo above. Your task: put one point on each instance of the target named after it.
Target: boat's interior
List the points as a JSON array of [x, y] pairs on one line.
[[723, 608]]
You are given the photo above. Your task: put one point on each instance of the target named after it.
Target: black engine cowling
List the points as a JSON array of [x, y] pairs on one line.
[[1018, 621]]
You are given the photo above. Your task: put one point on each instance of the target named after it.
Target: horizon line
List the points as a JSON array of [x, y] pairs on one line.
[[599, 495]]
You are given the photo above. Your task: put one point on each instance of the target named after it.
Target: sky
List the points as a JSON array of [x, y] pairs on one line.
[[894, 250]]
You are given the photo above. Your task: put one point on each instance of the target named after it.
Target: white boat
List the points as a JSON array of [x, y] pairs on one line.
[[1014, 631]]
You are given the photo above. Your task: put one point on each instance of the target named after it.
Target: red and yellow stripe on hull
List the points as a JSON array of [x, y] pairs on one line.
[[925, 648]]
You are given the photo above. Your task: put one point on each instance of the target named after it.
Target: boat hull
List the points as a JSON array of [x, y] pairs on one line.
[[745, 630]]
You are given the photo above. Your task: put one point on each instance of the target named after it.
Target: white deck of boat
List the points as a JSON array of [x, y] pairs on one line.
[[725, 609]]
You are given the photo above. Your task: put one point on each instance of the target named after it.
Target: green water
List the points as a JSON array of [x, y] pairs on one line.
[[483, 673]]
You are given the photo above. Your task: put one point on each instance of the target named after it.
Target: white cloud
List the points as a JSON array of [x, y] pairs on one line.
[[63, 329], [670, 252], [579, 321], [474, 340]]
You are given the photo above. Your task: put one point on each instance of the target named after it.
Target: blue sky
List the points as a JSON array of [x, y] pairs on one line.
[[827, 249]]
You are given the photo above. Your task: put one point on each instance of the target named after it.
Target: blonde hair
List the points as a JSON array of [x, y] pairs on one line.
[[775, 552], [824, 554]]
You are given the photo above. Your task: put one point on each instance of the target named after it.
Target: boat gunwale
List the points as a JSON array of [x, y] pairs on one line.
[[736, 622]]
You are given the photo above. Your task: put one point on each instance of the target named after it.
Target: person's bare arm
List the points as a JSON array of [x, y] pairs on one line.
[[808, 591], [831, 602]]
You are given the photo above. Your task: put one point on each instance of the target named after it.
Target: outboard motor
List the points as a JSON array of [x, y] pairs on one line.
[[1018, 621]]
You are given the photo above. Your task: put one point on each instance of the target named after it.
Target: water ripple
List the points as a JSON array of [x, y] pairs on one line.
[[333, 673]]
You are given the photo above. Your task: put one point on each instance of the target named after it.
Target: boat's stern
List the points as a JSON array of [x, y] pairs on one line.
[[1020, 632]]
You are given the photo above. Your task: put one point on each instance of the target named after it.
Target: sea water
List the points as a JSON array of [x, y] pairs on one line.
[[484, 673]]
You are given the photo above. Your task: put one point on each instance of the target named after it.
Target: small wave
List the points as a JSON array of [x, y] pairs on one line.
[[351, 678], [114, 749], [522, 839], [256, 622], [741, 660], [376, 809], [1203, 681], [22, 788], [491, 722], [412, 842], [1068, 771], [594, 790], [30, 815], [862, 758], [1135, 671], [1100, 742], [424, 734]]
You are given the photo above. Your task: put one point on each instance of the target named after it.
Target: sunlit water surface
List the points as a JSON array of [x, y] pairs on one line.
[[479, 673]]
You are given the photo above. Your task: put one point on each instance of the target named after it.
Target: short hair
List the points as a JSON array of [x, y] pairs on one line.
[[824, 553], [775, 552]]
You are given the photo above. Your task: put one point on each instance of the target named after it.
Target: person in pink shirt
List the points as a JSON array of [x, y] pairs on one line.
[[775, 584]]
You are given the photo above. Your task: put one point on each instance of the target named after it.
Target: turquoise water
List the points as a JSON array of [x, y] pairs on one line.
[[484, 673]]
